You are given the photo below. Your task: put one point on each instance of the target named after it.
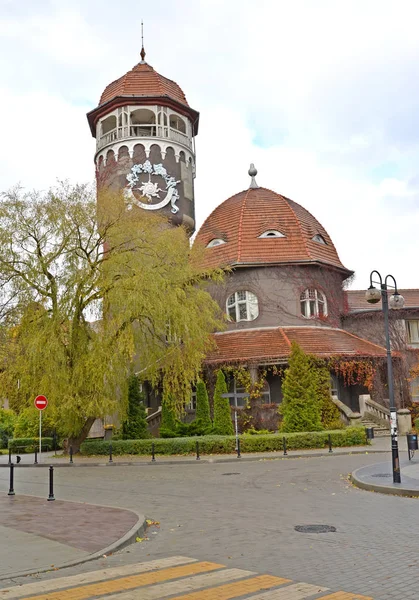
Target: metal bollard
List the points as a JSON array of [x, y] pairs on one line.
[[284, 445], [153, 458], [35, 462], [238, 448], [330, 443], [11, 484], [51, 484], [110, 452], [197, 451], [10, 456], [71, 454]]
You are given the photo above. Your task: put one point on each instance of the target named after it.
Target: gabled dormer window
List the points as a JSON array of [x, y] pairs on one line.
[[319, 238], [215, 242], [272, 233]]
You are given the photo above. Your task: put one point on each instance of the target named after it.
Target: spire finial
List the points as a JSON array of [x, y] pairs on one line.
[[142, 53], [253, 172]]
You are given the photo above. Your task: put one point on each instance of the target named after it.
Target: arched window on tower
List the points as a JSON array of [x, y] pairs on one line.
[[143, 123], [242, 306], [313, 304]]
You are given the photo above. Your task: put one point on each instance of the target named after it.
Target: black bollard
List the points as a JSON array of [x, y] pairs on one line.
[[238, 448], [35, 462], [284, 445], [51, 484], [71, 454], [110, 452], [153, 458], [330, 443], [197, 451], [11, 485], [10, 456]]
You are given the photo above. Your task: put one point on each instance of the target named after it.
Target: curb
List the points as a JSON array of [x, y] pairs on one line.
[[202, 460], [381, 489], [136, 531]]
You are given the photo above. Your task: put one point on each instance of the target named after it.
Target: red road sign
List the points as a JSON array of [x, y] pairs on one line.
[[41, 402]]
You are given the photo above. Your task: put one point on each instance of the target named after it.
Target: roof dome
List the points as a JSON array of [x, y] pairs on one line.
[[260, 227], [144, 81]]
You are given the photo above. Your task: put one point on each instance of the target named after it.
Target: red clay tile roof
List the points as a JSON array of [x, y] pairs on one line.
[[241, 219], [356, 299], [143, 80], [274, 344]]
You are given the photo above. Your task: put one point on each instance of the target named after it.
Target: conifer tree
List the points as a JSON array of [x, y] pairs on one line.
[[223, 424], [300, 408], [202, 405], [168, 418], [135, 425], [330, 415]]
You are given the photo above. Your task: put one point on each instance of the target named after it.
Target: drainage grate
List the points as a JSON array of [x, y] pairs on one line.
[[315, 528], [381, 475], [230, 473]]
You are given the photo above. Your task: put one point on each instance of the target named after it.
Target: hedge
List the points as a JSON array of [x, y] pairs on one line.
[[218, 444], [23, 445]]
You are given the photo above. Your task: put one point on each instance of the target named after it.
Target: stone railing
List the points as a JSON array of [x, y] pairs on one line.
[[138, 131], [370, 408], [154, 421], [346, 414]]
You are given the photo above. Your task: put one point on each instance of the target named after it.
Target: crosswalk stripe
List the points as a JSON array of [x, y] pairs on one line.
[[127, 583], [297, 591], [345, 596], [189, 584], [234, 590], [49, 585]]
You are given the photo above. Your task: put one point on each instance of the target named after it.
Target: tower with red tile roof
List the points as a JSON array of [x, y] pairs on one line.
[[144, 130]]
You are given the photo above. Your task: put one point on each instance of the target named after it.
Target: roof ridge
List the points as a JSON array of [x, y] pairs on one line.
[[286, 338], [239, 241], [360, 338]]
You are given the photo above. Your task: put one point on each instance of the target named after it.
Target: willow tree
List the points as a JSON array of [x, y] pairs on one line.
[[86, 292]]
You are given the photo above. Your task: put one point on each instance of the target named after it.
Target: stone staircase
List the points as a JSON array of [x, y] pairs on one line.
[[379, 429]]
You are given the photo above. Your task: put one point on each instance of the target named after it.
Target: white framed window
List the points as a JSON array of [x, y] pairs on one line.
[[272, 233], [215, 242], [413, 333], [313, 304], [242, 306], [237, 394], [319, 238]]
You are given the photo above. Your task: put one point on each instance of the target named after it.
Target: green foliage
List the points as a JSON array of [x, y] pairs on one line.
[[7, 421], [417, 424], [300, 407], [27, 445], [168, 418], [223, 424], [352, 436], [202, 405], [135, 425], [252, 431], [330, 414], [197, 427], [27, 423], [55, 276]]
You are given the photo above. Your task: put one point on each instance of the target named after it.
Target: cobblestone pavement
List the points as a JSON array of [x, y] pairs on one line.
[[243, 515]]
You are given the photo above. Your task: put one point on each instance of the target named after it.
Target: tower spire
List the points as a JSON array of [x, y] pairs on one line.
[[142, 53]]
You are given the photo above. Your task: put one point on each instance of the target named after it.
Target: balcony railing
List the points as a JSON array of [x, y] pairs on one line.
[[146, 130]]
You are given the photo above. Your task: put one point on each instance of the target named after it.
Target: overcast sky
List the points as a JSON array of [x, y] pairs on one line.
[[323, 96]]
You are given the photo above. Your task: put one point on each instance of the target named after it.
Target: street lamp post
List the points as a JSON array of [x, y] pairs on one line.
[[374, 295]]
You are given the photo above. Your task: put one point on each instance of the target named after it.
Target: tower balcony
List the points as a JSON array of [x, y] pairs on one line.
[[146, 130]]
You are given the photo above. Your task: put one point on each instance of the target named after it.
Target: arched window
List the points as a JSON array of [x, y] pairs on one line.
[[215, 242], [242, 306], [272, 233], [313, 304]]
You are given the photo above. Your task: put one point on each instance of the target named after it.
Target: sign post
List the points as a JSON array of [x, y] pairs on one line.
[[40, 403]]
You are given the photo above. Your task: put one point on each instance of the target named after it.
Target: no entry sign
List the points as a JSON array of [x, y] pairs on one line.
[[41, 402]]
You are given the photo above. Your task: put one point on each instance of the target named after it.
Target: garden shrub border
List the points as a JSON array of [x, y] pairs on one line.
[[218, 444], [28, 445]]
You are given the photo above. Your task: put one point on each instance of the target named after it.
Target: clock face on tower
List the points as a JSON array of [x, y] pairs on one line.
[[151, 187]]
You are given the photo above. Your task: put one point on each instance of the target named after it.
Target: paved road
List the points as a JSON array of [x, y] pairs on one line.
[[243, 514]]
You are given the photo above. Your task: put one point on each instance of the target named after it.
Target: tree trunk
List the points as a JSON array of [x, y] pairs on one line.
[[76, 442]]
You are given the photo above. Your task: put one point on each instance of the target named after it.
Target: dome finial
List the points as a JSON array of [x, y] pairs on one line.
[[253, 172], [142, 53]]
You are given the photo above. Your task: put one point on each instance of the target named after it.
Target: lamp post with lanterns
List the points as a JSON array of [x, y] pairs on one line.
[[373, 295]]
